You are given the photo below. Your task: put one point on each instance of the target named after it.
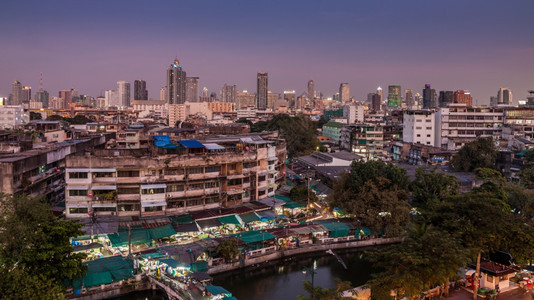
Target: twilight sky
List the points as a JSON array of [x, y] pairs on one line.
[[479, 45]]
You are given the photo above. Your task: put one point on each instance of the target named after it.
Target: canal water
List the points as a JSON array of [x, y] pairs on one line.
[[283, 279]]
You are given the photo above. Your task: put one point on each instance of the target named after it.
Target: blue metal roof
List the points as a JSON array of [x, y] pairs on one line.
[[191, 144]]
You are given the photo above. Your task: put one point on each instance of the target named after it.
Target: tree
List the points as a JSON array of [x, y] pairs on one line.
[[54, 118], [300, 194], [245, 121], [319, 293], [480, 153], [527, 177], [34, 241], [17, 283], [432, 186], [228, 249], [35, 116]]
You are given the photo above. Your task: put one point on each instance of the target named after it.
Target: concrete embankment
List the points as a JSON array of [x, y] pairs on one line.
[[280, 254]]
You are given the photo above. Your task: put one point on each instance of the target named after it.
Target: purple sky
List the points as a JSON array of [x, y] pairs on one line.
[[479, 45]]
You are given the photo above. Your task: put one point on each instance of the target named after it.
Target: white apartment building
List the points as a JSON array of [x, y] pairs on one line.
[[176, 113], [458, 124], [353, 113], [419, 127], [151, 107], [12, 116]]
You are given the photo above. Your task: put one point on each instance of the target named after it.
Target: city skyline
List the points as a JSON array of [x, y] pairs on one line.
[[364, 44]]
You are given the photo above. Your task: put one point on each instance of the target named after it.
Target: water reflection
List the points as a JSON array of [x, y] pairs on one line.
[[283, 279]]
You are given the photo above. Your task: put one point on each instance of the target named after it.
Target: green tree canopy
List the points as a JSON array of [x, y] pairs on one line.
[[432, 186], [300, 194], [35, 242], [228, 249], [480, 153], [35, 116]]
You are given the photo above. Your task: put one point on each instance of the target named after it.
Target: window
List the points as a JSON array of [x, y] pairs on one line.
[[418, 135], [236, 181], [211, 184], [261, 178], [194, 202], [428, 135], [195, 186], [212, 200], [174, 203], [175, 188], [213, 169], [198, 170], [77, 175], [419, 128], [78, 210], [128, 207], [152, 191], [77, 193], [132, 189], [153, 208], [251, 164], [418, 120], [429, 128], [103, 174], [129, 173], [261, 193], [174, 171], [97, 209]]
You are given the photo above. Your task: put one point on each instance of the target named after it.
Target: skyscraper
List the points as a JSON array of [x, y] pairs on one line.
[[445, 98], [43, 97], [176, 79], [429, 97], [463, 96], [123, 90], [409, 98], [289, 96], [205, 92], [380, 93], [344, 92], [140, 92], [191, 87], [228, 93], [112, 98], [505, 96], [26, 94], [394, 95], [16, 92], [376, 102], [311, 89], [66, 98], [163, 93], [262, 90]]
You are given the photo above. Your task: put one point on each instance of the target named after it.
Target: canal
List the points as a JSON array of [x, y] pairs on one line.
[[283, 279]]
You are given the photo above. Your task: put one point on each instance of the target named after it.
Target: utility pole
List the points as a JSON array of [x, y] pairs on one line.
[[129, 241]]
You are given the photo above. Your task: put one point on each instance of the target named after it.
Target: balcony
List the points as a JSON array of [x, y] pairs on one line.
[[174, 177], [129, 179], [211, 191], [177, 194], [192, 193], [104, 179], [128, 197], [234, 189]]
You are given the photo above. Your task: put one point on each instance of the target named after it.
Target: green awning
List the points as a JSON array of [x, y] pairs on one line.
[[336, 228], [364, 231], [249, 217], [283, 198], [217, 290], [254, 236], [229, 220], [152, 255], [95, 279], [293, 204], [161, 232], [138, 236], [182, 219], [199, 266], [171, 262]]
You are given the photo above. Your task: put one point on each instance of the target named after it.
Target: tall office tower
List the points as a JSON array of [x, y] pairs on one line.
[[271, 99], [380, 94], [65, 97], [140, 92], [344, 92], [429, 97], [370, 97], [290, 96], [409, 98], [16, 92], [176, 79], [112, 98], [163, 93], [205, 92], [494, 100], [463, 96], [191, 87], [445, 98], [311, 89], [262, 90], [123, 90], [26, 94], [505, 96], [376, 102], [418, 99], [43, 97], [394, 96], [228, 93]]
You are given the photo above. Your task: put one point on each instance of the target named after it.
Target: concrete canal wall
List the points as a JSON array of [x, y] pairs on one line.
[[280, 254]]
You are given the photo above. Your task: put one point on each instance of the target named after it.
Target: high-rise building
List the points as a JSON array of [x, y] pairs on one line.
[[176, 78], [505, 96], [123, 90], [409, 98], [228, 93], [289, 96], [311, 89], [65, 97], [463, 96], [163, 93], [271, 99], [429, 97], [445, 98], [380, 93], [262, 90], [394, 96], [140, 92], [16, 92], [26, 94], [376, 102], [205, 92], [191, 86], [344, 92], [112, 98], [43, 97]]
